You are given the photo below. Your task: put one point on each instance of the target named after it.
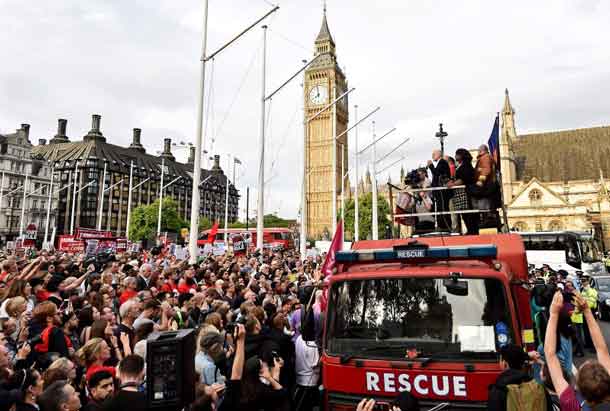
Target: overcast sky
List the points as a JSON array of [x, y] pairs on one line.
[[136, 63]]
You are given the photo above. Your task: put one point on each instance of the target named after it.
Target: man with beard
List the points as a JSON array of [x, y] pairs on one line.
[[101, 387]]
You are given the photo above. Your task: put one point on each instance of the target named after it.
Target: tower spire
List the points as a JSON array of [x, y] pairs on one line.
[[324, 34], [508, 108]]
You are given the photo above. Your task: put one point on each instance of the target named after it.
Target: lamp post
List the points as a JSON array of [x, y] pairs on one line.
[[161, 197], [441, 135], [236, 161], [375, 233], [129, 200], [21, 221], [374, 228], [356, 210], [102, 194], [74, 194]]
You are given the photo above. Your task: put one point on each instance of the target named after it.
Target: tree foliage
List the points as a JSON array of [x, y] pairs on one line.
[[365, 212], [143, 223], [205, 223]]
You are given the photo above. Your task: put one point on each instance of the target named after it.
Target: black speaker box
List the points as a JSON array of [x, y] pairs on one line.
[[170, 369]]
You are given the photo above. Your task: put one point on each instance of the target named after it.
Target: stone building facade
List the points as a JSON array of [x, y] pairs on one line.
[[556, 180], [17, 162], [86, 160], [324, 81]]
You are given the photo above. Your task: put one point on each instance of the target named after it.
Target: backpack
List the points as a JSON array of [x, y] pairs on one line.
[[527, 396]]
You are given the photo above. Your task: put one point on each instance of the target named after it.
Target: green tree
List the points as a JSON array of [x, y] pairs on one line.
[[365, 211], [272, 220], [143, 224], [205, 224]]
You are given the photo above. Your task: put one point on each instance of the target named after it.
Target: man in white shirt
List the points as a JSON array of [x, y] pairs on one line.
[[307, 367]]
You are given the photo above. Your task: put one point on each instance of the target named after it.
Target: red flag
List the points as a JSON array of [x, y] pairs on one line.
[[330, 261], [212, 235]]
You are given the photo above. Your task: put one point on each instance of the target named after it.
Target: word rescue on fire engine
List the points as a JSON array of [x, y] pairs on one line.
[[439, 385]]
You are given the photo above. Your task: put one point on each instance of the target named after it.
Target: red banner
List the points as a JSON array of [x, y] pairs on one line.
[[69, 244], [89, 233]]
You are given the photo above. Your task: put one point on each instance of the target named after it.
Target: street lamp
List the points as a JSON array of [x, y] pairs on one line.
[[441, 135], [236, 161]]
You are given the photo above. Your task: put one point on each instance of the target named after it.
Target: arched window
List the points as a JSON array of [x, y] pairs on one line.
[[555, 225], [520, 226], [535, 196]]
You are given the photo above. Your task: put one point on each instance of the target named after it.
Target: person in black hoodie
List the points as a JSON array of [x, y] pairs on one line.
[[281, 344], [513, 359]]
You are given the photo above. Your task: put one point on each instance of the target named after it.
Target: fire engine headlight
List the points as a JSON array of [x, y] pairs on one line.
[[608, 302]]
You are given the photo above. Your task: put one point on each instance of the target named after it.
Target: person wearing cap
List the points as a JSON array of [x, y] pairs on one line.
[[590, 295], [212, 351]]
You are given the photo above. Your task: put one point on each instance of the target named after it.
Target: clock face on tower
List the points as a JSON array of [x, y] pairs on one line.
[[318, 94]]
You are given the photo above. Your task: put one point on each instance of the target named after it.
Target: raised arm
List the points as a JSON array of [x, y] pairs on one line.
[[30, 269], [238, 362], [76, 283], [596, 334], [550, 345]]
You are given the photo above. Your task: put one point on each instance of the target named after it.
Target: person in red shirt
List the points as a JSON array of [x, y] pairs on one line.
[[188, 283], [130, 291], [8, 267]]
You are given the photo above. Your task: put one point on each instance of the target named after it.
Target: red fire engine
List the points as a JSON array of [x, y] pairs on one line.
[[427, 315]]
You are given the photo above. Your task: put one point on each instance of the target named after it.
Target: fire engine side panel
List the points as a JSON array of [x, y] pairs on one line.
[[377, 380]]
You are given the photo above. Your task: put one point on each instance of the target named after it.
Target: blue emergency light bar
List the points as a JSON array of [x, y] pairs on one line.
[[418, 253]]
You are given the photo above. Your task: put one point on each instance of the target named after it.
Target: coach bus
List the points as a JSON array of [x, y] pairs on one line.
[[564, 250], [279, 238]]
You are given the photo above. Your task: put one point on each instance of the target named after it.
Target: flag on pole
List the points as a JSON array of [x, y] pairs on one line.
[[212, 235], [331, 259], [494, 143]]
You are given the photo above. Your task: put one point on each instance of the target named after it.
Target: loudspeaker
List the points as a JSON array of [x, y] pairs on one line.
[[170, 369]]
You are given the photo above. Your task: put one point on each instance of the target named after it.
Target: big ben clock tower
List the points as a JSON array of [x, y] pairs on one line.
[[324, 81]]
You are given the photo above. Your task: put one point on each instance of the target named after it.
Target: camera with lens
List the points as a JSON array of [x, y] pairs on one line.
[[232, 326]]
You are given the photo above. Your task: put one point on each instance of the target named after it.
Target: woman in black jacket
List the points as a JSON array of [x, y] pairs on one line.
[[465, 175]]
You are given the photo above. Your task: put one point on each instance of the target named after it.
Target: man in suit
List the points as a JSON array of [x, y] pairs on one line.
[[144, 277], [439, 173]]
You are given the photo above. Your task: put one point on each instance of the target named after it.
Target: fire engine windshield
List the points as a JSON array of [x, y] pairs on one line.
[[435, 317]]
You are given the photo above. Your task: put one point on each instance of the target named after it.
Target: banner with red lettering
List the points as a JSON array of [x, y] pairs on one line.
[[67, 243], [89, 233]]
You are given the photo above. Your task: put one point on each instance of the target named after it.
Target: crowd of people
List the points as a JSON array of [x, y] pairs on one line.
[[451, 186], [564, 311], [74, 331]]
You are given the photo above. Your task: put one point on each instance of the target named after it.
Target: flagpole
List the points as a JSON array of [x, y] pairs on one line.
[[499, 178]]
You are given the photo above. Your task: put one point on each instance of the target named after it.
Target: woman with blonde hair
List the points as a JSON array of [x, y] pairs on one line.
[[93, 356]]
